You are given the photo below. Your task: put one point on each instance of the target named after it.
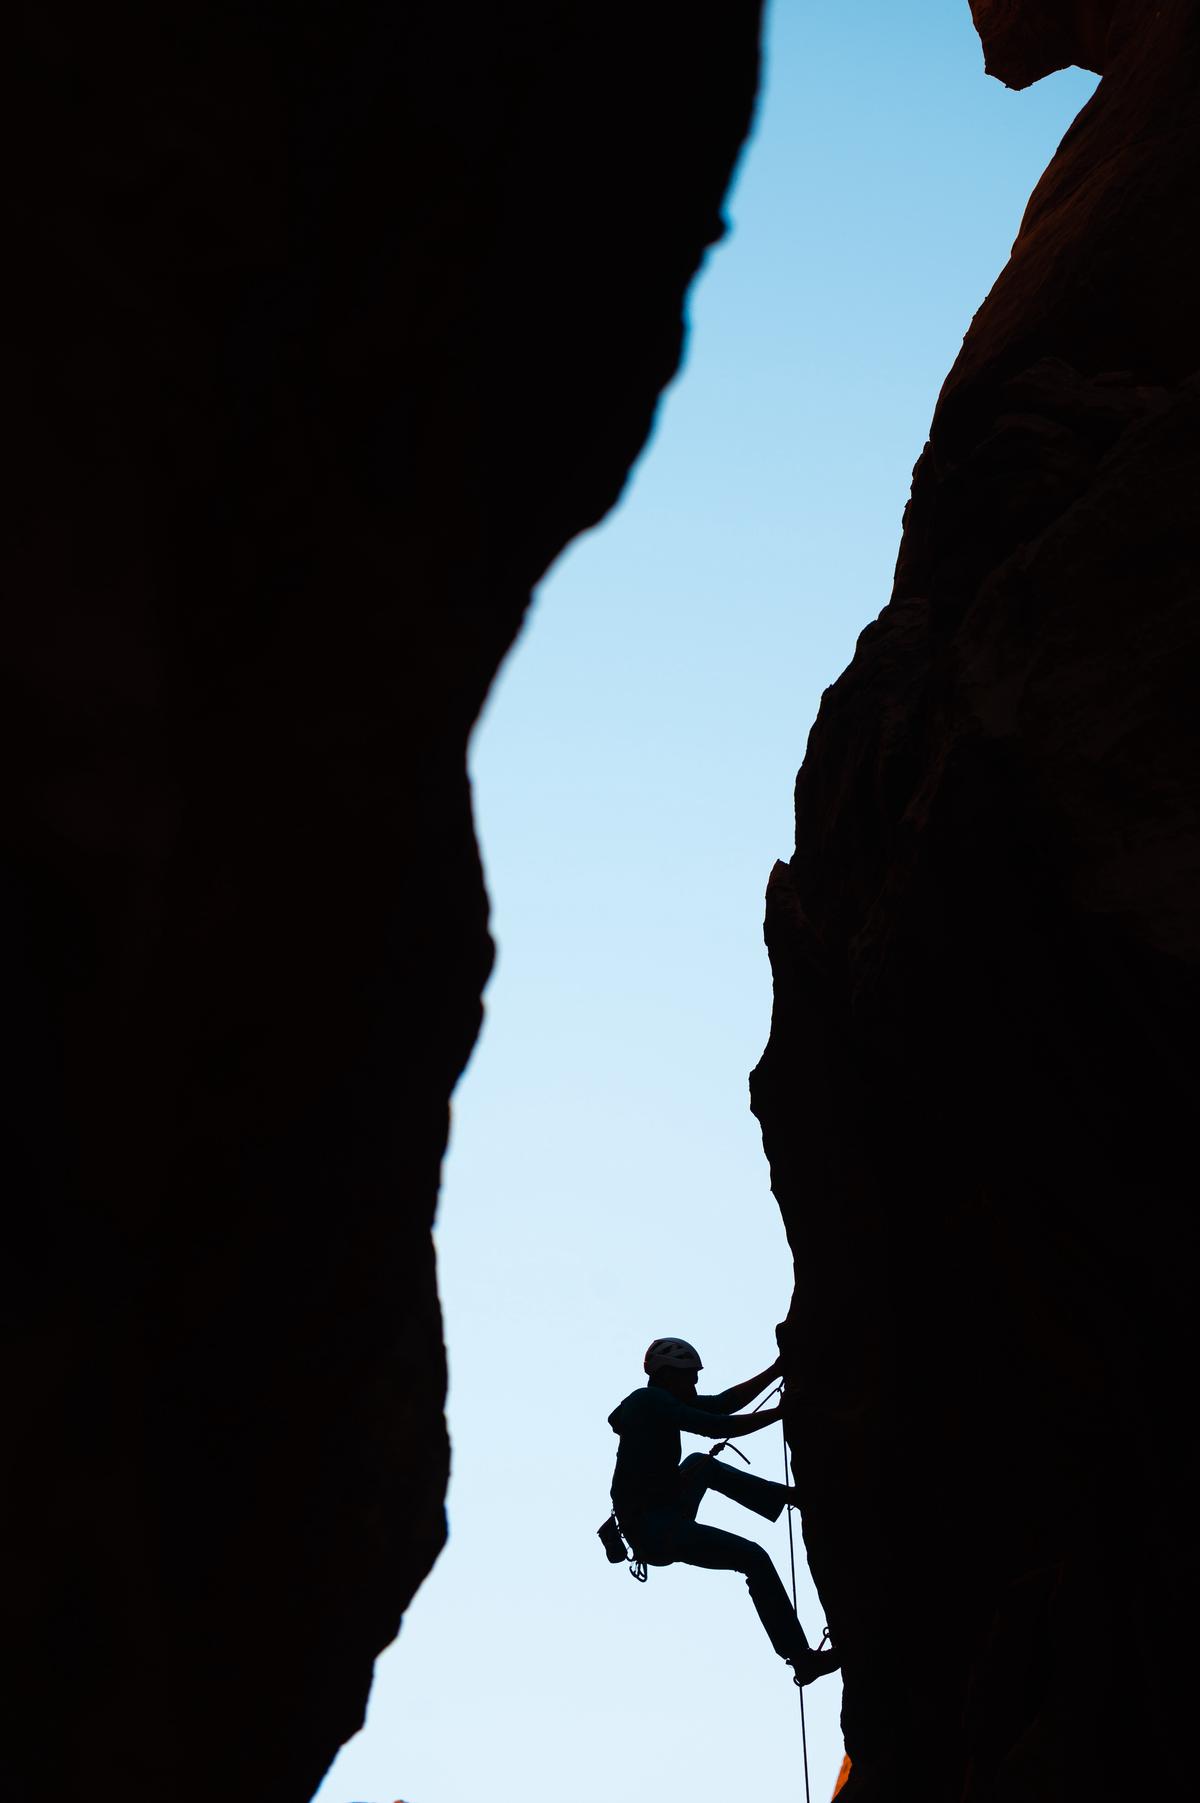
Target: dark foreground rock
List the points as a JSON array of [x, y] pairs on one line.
[[334, 324], [979, 1096]]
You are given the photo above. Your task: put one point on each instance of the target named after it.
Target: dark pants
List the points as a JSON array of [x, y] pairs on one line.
[[673, 1536]]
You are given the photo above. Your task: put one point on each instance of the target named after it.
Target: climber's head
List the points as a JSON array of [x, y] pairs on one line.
[[672, 1365]]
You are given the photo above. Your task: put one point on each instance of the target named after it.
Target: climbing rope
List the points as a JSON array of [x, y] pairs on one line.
[[796, 1612], [727, 1445]]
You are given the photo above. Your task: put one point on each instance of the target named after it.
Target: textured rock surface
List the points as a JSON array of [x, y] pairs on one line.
[[980, 1090], [336, 323]]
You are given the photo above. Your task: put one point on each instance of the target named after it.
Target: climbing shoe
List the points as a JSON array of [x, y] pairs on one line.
[[809, 1665]]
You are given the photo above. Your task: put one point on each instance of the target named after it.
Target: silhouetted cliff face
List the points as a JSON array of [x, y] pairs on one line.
[[979, 1096], [337, 322]]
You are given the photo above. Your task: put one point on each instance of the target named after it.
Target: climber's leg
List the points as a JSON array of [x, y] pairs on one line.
[[715, 1550], [701, 1472]]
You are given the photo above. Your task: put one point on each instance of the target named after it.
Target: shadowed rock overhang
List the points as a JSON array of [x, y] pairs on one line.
[[333, 325]]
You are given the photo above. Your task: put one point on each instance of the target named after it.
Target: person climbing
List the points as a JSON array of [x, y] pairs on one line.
[[655, 1497]]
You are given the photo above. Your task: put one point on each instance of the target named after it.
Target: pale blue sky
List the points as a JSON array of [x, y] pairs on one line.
[[633, 777]]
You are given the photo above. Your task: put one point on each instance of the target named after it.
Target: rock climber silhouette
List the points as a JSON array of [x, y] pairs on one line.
[[655, 1497]]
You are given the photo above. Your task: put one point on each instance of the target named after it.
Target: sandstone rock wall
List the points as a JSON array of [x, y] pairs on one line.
[[979, 1094], [333, 324]]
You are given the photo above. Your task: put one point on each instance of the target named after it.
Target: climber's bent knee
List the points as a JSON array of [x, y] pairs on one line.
[[758, 1562]]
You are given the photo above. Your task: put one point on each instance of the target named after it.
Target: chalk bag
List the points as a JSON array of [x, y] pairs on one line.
[[610, 1539]]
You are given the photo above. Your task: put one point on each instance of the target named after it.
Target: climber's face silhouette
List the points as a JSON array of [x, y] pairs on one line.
[[680, 1383]]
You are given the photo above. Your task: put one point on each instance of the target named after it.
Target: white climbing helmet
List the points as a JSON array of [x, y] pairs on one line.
[[673, 1355]]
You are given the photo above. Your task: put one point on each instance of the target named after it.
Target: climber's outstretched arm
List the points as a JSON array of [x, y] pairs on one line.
[[691, 1420], [738, 1395]]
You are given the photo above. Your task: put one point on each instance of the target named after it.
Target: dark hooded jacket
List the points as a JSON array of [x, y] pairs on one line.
[[649, 1423]]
